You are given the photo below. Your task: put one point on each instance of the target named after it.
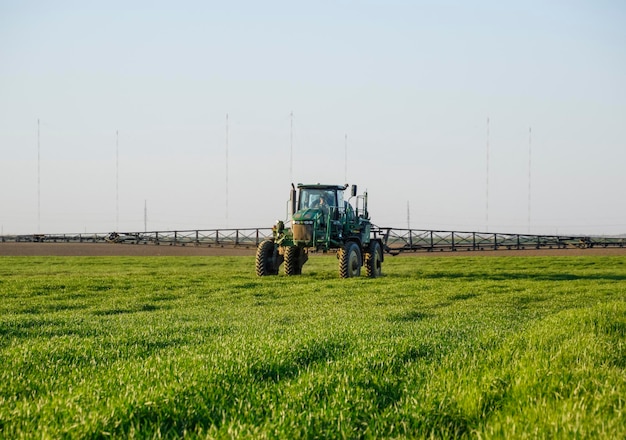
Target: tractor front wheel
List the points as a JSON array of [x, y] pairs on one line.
[[374, 260], [267, 259], [292, 261], [350, 260]]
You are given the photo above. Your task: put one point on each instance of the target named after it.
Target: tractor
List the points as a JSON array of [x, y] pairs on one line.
[[321, 220]]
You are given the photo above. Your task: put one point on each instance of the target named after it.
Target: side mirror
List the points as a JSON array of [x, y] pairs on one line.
[[353, 191]]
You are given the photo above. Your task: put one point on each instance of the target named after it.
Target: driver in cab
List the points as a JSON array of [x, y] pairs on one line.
[[321, 204]]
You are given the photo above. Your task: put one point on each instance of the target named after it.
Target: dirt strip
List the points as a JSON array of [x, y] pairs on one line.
[[103, 249], [113, 249]]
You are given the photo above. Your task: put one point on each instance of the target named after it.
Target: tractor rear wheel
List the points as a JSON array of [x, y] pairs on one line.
[[267, 259], [374, 260], [350, 260], [293, 266]]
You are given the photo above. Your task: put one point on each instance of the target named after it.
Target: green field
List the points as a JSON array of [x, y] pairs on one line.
[[469, 347]]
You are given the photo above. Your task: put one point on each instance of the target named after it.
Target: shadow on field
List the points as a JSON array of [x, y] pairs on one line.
[[124, 310], [298, 359], [409, 316], [36, 326], [535, 276]]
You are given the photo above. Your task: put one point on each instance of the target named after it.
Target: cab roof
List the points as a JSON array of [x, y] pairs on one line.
[[321, 186]]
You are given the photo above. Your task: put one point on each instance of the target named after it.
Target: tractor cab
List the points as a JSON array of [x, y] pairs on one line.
[[320, 216], [325, 199]]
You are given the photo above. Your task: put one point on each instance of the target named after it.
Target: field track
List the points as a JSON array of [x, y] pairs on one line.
[[91, 249]]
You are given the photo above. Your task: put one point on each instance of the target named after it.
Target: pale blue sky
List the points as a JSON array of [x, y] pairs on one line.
[[411, 84]]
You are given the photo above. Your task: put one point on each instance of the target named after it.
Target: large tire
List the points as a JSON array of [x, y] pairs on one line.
[[374, 260], [293, 266], [350, 260], [266, 259]]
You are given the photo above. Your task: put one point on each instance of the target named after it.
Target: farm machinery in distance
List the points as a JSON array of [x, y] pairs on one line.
[[322, 220]]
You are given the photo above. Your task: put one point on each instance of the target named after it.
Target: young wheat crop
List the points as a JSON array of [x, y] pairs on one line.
[[441, 347]]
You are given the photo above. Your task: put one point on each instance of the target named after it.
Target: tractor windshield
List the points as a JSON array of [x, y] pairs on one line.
[[317, 198]]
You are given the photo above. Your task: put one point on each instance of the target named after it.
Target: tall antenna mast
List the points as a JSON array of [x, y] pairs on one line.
[[529, 171], [227, 141], [408, 215], [291, 149], [38, 179], [487, 184], [117, 180], [346, 158]]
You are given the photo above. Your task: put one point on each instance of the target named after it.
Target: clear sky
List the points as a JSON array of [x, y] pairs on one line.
[[405, 88]]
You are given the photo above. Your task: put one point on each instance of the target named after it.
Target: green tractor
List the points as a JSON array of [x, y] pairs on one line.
[[322, 220]]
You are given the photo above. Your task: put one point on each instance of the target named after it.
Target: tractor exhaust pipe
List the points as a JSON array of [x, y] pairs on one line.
[[293, 200]]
